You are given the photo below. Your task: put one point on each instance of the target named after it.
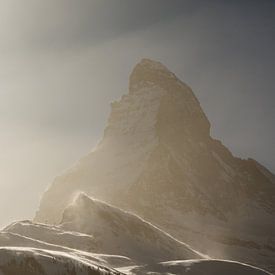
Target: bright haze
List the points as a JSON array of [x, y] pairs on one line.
[[63, 62]]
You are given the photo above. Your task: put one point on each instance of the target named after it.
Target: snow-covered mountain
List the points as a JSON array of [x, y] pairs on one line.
[[157, 159]]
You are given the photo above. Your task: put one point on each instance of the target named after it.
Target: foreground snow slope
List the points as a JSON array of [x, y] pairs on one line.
[[11, 240], [52, 235], [97, 238], [32, 257], [196, 267], [30, 261]]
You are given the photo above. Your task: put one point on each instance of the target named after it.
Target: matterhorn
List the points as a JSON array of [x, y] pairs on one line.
[[158, 160]]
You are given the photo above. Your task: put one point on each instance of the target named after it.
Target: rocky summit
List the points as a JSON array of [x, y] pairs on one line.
[[158, 160]]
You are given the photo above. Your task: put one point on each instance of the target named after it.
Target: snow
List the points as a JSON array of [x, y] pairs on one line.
[[53, 235], [38, 261], [126, 244], [195, 267], [121, 232], [25, 260]]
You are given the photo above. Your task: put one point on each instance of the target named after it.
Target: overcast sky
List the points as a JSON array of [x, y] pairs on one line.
[[63, 62]]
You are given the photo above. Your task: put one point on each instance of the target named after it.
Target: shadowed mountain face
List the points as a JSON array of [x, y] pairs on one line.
[[157, 159]]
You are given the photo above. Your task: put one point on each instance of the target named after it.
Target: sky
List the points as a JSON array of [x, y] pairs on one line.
[[63, 62]]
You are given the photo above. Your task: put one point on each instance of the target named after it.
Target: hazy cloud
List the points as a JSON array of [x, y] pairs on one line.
[[64, 24]]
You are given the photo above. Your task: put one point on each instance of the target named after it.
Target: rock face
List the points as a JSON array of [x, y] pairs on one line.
[[157, 159]]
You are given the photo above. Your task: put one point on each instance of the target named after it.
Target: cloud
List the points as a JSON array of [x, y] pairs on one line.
[[65, 24]]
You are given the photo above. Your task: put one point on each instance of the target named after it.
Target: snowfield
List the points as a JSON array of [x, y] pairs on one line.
[[197, 267]]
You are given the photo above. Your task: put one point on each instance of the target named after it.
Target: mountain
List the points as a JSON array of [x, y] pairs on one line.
[[110, 235], [158, 160]]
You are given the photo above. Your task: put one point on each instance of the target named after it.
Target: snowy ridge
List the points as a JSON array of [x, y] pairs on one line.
[[11, 240], [52, 235], [121, 232]]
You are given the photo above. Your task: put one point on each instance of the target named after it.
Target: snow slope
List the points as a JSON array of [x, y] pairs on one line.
[[94, 226], [31, 261], [196, 267], [120, 232], [132, 246], [53, 235]]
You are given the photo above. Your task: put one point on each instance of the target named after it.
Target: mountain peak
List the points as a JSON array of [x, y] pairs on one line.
[[80, 197], [149, 72], [151, 64]]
